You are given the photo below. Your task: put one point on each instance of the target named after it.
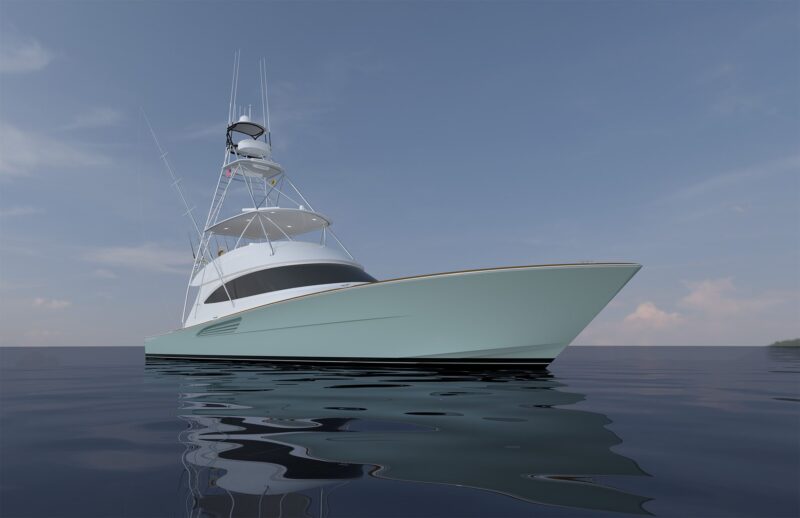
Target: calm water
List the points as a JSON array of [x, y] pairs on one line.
[[605, 431]]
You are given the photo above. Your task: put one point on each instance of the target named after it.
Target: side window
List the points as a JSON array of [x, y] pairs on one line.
[[285, 277]]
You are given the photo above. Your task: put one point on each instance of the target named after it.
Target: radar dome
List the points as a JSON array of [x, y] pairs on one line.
[[252, 148]]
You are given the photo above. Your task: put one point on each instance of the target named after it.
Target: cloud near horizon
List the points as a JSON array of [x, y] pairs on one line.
[[716, 297], [648, 315], [712, 312], [148, 257]]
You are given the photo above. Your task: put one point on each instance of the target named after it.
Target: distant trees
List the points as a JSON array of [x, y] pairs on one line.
[[795, 342]]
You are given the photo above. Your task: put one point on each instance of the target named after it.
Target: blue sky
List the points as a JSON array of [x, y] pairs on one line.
[[437, 135]]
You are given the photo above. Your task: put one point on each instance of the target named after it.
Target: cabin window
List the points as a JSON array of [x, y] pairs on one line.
[[285, 277]]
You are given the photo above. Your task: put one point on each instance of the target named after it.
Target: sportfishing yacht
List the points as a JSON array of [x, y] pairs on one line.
[[271, 281]]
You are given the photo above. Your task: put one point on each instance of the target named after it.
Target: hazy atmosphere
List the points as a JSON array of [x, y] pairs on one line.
[[437, 136]]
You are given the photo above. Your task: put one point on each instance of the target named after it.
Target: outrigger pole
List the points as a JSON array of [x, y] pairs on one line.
[[176, 183]]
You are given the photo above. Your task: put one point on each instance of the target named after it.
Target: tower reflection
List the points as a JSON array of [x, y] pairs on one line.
[[270, 441]]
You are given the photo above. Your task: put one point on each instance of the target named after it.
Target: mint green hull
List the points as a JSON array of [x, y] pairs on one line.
[[523, 315]]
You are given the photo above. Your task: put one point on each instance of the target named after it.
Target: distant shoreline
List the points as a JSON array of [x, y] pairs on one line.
[[795, 342]]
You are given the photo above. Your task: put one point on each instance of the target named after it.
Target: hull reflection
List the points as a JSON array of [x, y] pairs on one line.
[[264, 440]]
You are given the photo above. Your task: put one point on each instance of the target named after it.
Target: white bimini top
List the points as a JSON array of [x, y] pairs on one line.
[[276, 222]]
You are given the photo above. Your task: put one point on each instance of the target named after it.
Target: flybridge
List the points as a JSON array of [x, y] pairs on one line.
[[254, 203]]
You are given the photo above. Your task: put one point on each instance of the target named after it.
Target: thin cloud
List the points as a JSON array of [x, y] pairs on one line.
[[148, 257], [722, 72], [46, 303], [102, 273], [299, 106], [22, 210], [732, 103], [19, 158], [717, 298], [731, 96], [755, 172], [204, 132], [22, 56], [95, 118], [25, 251]]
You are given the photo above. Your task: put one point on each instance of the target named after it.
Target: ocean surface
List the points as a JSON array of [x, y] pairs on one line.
[[605, 431]]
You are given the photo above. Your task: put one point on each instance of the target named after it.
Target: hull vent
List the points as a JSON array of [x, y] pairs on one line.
[[223, 328]]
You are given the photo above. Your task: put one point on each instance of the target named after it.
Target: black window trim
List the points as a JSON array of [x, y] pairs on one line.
[[281, 278]]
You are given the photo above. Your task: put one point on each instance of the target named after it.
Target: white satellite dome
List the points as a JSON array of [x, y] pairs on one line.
[[252, 148]]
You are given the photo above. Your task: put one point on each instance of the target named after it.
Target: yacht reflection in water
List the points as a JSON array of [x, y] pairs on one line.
[[270, 441]]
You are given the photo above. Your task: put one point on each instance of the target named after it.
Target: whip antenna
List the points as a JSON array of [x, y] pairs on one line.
[[234, 86], [261, 65], [265, 99]]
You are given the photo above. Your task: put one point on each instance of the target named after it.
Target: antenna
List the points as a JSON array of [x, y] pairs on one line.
[[231, 104], [265, 100], [234, 85], [176, 182]]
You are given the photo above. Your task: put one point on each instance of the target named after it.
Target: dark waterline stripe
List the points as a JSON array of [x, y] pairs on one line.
[[533, 362]]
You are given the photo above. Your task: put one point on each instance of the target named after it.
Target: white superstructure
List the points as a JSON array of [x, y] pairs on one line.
[[253, 258], [262, 241]]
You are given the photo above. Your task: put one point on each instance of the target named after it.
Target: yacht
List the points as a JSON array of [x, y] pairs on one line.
[[271, 281]]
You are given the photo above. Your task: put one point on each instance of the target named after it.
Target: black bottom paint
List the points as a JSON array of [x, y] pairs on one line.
[[538, 363]]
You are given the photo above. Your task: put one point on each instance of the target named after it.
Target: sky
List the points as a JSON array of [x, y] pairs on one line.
[[438, 136]]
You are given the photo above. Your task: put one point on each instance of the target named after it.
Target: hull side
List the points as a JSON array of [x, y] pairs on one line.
[[520, 315]]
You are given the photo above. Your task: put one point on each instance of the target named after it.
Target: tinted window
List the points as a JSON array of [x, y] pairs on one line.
[[285, 277]]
